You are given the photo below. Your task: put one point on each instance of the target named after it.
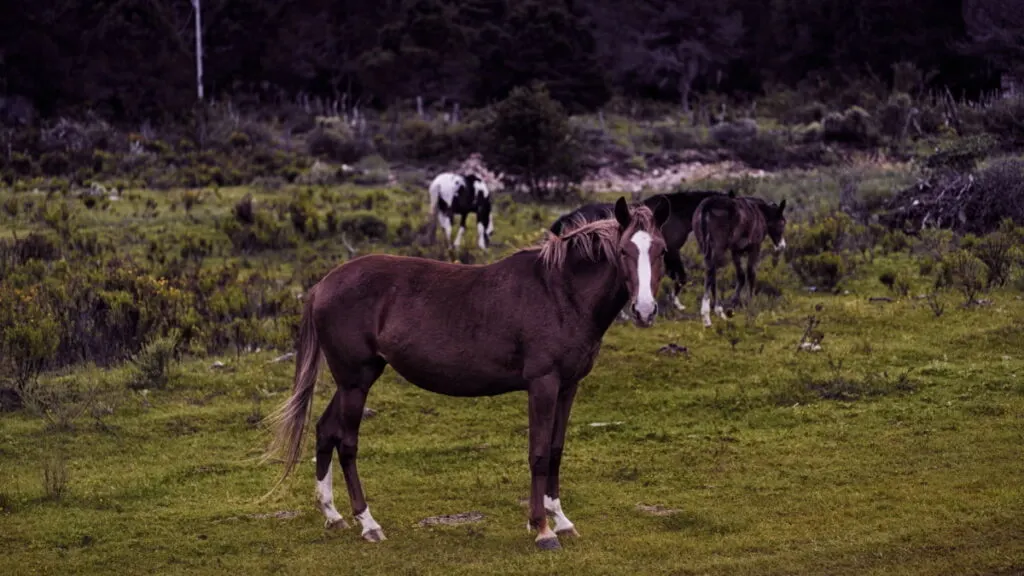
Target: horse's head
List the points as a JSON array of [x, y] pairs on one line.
[[641, 256], [776, 220]]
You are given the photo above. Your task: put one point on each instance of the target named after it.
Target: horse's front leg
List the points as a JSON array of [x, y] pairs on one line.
[[462, 230], [752, 260], [543, 394], [674, 269], [552, 502]]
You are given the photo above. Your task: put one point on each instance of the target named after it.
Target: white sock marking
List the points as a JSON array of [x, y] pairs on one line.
[[645, 304], [325, 497], [446, 225], [705, 309], [720, 311], [554, 507], [480, 236], [781, 246], [679, 305], [367, 521]]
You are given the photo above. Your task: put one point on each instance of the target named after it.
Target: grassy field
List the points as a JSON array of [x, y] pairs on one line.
[[898, 448]]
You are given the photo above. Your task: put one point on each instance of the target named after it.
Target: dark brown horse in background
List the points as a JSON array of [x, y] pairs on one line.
[[530, 322], [676, 229], [738, 225]]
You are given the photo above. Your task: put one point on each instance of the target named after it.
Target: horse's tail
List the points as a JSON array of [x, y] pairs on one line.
[[289, 421]]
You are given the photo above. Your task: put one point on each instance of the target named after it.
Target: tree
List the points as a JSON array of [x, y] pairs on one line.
[[996, 31], [531, 142]]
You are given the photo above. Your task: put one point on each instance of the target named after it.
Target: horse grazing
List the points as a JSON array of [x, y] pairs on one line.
[[452, 194], [530, 322], [676, 229], [739, 225]]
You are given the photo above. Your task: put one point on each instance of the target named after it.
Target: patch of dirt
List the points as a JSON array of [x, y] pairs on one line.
[[664, 179], [656, 510], [453, 519]]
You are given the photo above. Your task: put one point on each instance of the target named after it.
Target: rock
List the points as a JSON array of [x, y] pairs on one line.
[[217, 365], [603, 424], [369, 412], [672, 348]]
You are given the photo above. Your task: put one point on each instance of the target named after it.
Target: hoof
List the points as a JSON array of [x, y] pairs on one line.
[[376, 535], [548, 544], [568, 532], [339, 524]]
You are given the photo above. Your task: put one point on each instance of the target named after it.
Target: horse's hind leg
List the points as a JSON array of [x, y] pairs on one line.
[[353, 386], [552, 503], [737, 262], [709, 290], [328, 437]]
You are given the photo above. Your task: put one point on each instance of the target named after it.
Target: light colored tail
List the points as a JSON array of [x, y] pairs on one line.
[[289, 421]]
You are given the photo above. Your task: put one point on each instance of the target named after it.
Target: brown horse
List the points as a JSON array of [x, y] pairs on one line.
[[739, 225], [676, 229], [530, 322]]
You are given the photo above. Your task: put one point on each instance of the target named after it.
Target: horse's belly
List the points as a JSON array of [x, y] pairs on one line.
[[466, 379]]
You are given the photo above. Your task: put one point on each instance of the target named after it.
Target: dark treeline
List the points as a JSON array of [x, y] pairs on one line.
[[135, 59]]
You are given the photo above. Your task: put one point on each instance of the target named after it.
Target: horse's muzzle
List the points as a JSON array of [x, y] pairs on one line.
[[644, 315]]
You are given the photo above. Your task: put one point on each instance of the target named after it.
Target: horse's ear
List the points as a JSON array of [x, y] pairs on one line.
[[622, 212], [782, 206], [662, 211]]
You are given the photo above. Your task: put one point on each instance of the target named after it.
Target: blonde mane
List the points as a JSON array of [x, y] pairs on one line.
[[592, 240]]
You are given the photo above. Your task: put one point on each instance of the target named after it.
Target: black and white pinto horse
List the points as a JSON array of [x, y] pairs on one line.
[[452, 194]]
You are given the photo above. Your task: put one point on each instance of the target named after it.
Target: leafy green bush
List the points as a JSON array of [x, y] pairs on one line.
[[530, 140], [151, 366], [961, 155], [854, 127], [964, 271], [824, 271]]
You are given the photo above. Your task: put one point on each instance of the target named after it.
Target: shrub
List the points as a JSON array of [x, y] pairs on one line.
[[998, 194], [336, 143], [530, 140], [962, 155], [151, 366], [894, 115], [360, 227], [1005, 120], [964, 271], [824, 271], [731, 133], [999, 250], [855, 127]]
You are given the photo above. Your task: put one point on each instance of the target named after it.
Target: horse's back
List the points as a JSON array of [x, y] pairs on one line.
[[449, 328], [585, 213]]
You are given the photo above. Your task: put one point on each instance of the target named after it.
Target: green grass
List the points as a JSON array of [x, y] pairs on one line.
[[916, 469]]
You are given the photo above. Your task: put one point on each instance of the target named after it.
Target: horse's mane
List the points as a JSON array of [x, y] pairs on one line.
[[591, 240]]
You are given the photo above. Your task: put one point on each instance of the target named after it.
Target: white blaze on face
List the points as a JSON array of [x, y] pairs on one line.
[[644, 297], [782, 245]]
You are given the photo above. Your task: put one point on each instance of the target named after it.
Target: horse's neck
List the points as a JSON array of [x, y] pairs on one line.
[[597, 289]]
